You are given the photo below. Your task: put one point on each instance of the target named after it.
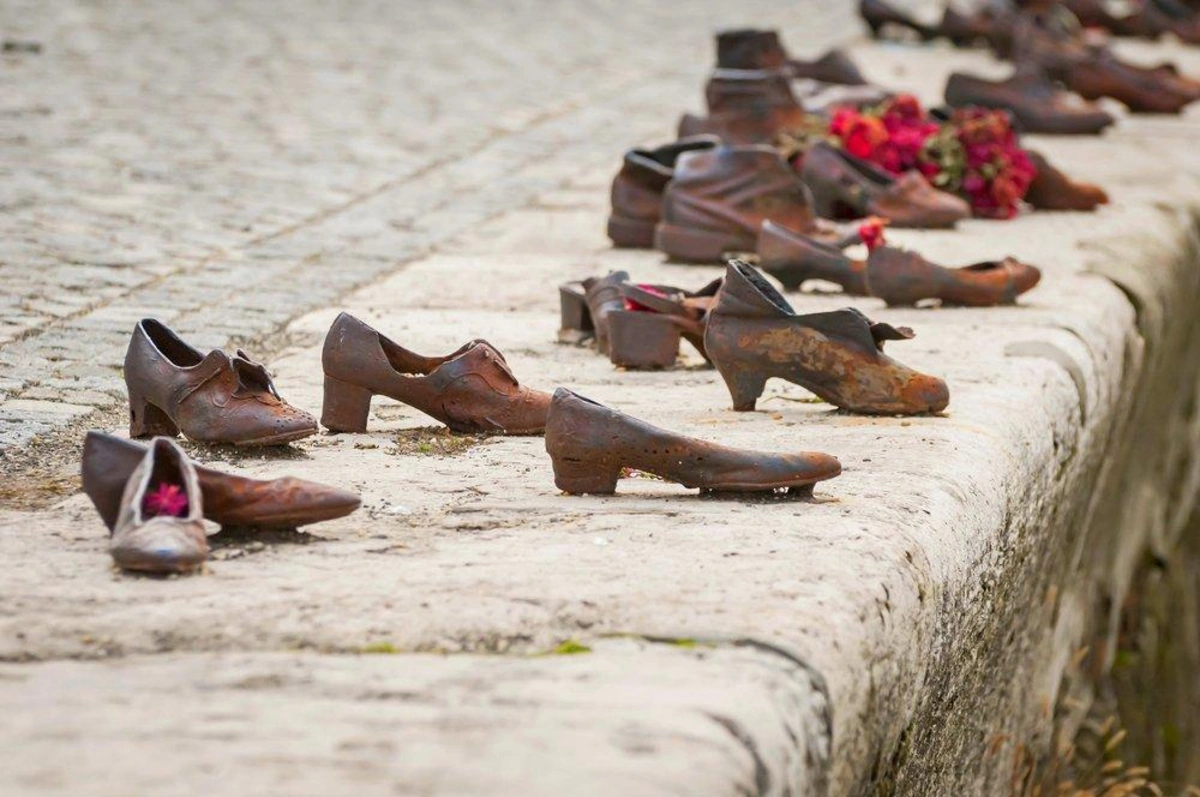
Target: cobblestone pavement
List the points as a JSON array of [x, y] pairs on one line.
[[225, 166]]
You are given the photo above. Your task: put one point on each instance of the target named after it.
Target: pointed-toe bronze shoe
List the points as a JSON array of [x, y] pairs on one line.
[[753, 334], [470, 390], [590, 445], [229, 500]]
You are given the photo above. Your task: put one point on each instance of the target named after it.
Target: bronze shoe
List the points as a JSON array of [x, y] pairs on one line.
[[233, 501], [647, 332], [212, 398], [1096, 14], [469, 390], [881, 17], [585, 307], [1033, 100], [637, 190], [590, 445], [720, 197], [992, 25], [1052, 189], [753, 334], [746, 106], [846, 187], [794, 258], [1103, 75], [903, 278], [763, 49], [159, 526]]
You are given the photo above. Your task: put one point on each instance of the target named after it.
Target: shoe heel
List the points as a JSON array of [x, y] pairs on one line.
[[585, 478], [642, 340], [346, 406], [573, 311], [147, 420], [744, 387]]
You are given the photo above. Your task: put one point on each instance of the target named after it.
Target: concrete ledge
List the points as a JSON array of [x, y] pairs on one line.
[[926, 610]]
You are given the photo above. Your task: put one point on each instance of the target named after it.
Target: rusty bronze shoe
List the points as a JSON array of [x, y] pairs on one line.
[[1033, 100], [720, 197], [590, 444], [211, 398], [882, 18], [746, 106], [846, 187], [1052, 189], [903, 278], [638, 188], [585, 307], [647, 332], [229, 500], [159, 525], [794, 258], [753, 334], [469, 390], [763, 49]]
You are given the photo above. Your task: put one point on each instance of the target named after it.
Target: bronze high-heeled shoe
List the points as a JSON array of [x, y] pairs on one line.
[[233, 501], [590, 445], [585, 306], [647, 333], [753, 334], [846, 187], [469, 390], [159, 526], [211, 398]]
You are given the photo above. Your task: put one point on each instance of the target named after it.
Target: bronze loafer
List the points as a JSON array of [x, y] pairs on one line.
[[229, 500], [753, 334], [794, 258], [846, 187], [164, 535], [903, 278], [1052, 189], [212, 398], [590, 445], [469, 390], [1036, 104]]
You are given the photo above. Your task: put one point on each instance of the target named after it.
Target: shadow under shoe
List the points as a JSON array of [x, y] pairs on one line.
[[229, 500], [590, 444], [753, 334], [152, 538], [211, 398], [470, 390]]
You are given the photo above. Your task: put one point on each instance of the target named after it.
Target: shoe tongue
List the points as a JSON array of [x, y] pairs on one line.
[[252, 377], [486, 357], [852, 326]]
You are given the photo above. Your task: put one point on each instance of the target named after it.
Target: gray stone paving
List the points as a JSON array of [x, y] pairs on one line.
[[226, 166]]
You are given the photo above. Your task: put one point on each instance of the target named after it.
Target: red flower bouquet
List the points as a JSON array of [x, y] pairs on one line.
[[974, 153]]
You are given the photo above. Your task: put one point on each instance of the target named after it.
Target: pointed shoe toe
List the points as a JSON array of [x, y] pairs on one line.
[[590, 445]]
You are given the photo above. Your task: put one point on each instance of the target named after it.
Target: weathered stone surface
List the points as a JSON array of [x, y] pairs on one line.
[[911, 630]]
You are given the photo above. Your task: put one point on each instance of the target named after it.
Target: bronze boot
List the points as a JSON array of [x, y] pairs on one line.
[[846, 187], [753, 334], [638, 188], [720, 197], [762, 49], [903, 278], [590, 445], [159, 525], [793, 259], [469, 390], [1033, 100], [234, 501], [746, 106], [211, 398]]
